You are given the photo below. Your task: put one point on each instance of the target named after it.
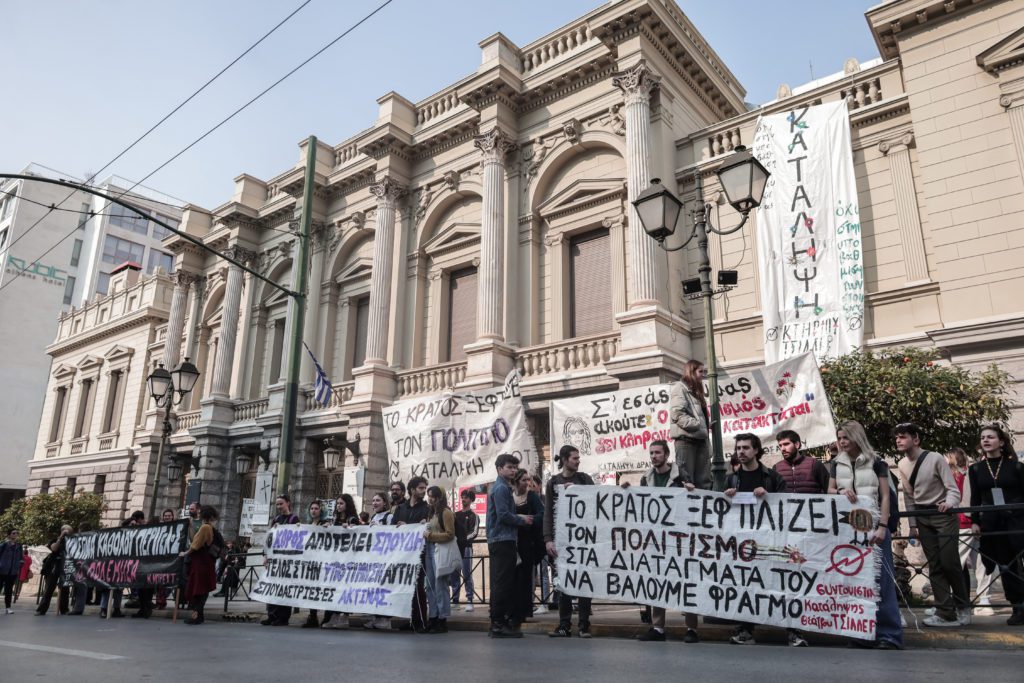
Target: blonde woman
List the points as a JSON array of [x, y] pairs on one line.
[[858, 471]]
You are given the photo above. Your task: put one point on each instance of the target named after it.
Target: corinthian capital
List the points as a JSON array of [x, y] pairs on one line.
[[388, 190], [637, 83], [494, 145]]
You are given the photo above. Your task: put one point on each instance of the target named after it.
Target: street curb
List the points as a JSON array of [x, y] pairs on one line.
[[957, 639]]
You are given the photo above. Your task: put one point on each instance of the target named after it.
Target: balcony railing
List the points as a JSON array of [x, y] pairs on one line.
[[250, 410], [430, 380], [186, 421], [342, 394], [571, 355]]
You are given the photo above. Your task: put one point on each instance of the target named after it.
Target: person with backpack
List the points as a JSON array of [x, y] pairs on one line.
[[206, 548], [858, 471], [440, 537], [52, 569], [467, 528], [928, 484], [11, 553]]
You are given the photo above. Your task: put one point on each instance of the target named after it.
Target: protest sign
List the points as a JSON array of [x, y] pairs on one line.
[[127, 557], [766, 400], [453, 438], [369, 569], [245, 522], [793, 560], [612, 431], [809, 244]]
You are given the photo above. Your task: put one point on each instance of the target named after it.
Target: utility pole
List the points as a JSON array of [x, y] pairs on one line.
[[300, 280]]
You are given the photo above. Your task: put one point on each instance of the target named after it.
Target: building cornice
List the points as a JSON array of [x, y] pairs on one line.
[[890, 22], [143, 316]]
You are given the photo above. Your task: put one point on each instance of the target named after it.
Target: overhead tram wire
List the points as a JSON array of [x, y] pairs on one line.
[[225, 120], [142, 137]]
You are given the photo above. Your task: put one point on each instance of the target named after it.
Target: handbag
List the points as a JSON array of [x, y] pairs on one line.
[[447, 558]]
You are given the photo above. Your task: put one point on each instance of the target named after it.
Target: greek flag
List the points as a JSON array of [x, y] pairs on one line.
[[323, 387]]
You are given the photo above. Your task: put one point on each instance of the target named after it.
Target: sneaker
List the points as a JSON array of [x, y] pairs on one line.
[[797, 640], [585, 632], [653, 635], [691, 636], [263, 622], [1017, 618], [936, 621], [964, 616], [930, 612], [540, 610], [504, 632], [10, 611], [381, 623], [337, 621], [888, 645], [561, 632], [468, 608], [984, 611], [903, 621], [742, 637]]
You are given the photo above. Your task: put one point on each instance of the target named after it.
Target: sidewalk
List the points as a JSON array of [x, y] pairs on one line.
[[623, 621]]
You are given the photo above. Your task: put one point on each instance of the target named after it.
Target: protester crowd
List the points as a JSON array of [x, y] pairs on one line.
[[521, 530]]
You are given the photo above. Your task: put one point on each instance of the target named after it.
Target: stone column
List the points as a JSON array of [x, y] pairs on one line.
[[387, 192], [228, 327], [493, 147], [911, 236], [176, 322], [311, 323], [637, 84]]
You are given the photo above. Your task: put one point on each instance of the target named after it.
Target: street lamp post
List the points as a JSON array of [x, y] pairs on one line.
[[168, 389], [743, 180]]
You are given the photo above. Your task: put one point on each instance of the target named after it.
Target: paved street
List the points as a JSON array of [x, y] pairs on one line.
[[157, 650]]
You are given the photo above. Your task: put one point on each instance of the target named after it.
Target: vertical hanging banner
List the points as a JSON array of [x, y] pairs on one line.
[[793, 560], [453, 438], [612, 431], [809, 242]]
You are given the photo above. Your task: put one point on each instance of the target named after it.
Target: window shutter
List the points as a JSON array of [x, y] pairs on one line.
[[362, 323], [591, 284], [461, 312]]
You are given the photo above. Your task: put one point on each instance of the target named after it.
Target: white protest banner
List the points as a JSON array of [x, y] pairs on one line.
[[370, 569], [612, 431], [245, 522], [808, 241], [453, 438], [792, 560], [766, 400]]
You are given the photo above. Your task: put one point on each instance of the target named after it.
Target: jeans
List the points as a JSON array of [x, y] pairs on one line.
[[503, 575], [543, 570], [439, 604], [105, 600], [940, 537], [465, 578], [79, 592], [887, 619]]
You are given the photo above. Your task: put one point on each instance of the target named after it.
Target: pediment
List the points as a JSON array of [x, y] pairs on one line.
[[358, 269], [89, 363], [1006, 53], [118, 353], [277, 298], [452, 236], [64, 371], [581, 193]]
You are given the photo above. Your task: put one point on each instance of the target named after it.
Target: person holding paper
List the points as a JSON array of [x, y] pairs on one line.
[[858, 471], [415, 511], [278, 615], [752, 478], [688, 411], [569, 458], [671, 475], [998, 479]]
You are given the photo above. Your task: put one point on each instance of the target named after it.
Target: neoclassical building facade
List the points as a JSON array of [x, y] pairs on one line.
[[489, 226]]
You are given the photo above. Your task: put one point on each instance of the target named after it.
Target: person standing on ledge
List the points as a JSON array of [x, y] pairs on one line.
[[688, 410]]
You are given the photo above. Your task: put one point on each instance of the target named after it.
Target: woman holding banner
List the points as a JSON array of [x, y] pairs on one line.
[[441, 557], [688, 410], [858, 471], [314, 516], [202, 576]]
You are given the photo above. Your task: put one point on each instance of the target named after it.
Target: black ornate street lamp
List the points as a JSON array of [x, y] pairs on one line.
[[168, 389], [743, 180]]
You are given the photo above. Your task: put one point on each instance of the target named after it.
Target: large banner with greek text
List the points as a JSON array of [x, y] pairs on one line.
[[453, 438], [127, 557], [612, 431], [808, 234], [368, 569], [764, 401], [792, 560]]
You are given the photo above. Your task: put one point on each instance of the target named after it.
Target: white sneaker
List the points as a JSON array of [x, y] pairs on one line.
[[984, 611], [936, 621], [963, 616], [903, 621], [10, 611], [337, 621], [540, 610], [468, 608], [382, 623], [930, 612]]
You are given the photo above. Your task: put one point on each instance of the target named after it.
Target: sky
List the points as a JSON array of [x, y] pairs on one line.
[[82, 80]]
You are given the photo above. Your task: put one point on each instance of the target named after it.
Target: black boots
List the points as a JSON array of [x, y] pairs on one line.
[[1017, 618]]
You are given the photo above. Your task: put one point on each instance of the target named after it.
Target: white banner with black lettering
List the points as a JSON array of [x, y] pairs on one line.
[[369, 569], [453, 438], [792, 560], [808, 240]]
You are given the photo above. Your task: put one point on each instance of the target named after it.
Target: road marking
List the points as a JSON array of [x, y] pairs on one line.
[[61, 651]]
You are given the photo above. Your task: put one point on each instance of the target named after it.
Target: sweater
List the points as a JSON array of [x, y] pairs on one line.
[[934, 484], [441, 529], [551, 490]]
